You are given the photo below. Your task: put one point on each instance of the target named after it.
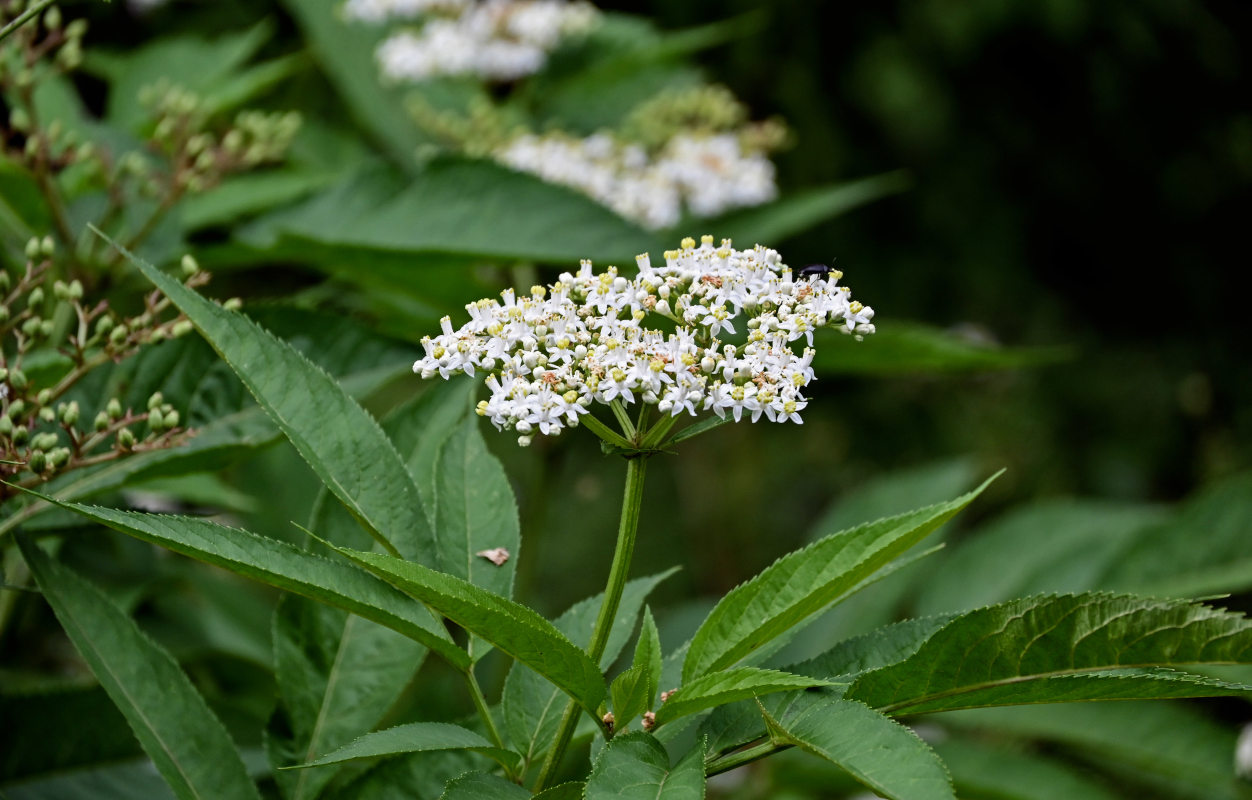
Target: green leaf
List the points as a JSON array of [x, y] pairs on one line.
[[514, 628], [563, 791], [475, 511], [339, 440], [1149, 748], [414, 737], [804, 582], [185, 741], [420, 429], [629, 692], [110, 780], [1164, 560], [532, 707], [876, 750], [901, 348], [1041, 649], [728, 686], [467, 208], [981, 770], [283, 565], [60, 728], [799, 211], [1058, 546], [337, 674], [636, 767], [242, 195], [648, 656], [481, 786]]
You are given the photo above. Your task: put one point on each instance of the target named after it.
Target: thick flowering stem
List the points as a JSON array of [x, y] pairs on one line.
[[632, 501]]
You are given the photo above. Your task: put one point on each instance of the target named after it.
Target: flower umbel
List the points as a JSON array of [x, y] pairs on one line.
[[604, 338]]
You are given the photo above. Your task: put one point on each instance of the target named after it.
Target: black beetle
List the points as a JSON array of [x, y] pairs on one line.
[[820, 270]]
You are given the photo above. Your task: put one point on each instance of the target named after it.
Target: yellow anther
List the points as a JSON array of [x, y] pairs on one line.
[[855, 307], [687, 243], [706, 239]]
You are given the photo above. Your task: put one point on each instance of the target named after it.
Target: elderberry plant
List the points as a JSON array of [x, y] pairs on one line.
[[425, 547]]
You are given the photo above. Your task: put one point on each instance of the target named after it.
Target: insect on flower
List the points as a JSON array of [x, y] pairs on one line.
[[820, 270]]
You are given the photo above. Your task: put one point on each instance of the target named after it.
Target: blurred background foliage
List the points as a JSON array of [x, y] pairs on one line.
[[1079, 181]]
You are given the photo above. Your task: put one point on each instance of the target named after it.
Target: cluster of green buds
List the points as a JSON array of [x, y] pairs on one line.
[[477, 131], [200, 156], [30, 55], [699, 110], [50, 339]]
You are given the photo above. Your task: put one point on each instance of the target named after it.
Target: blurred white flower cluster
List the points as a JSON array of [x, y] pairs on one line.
[[700, 173], [593, 338], [496, 40]]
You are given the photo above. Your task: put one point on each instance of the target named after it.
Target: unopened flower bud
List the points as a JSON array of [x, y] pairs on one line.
[[31, 326], [119, 334], [69, 413], [182, 328], [21, 434], [233, 304], [46, 327], [44, 441], [189, 265], [43, 397], [35, 298], [32, 248], [171, 419], [125, 439], [6, 282], [649, 720], [47, 414], [17, 409], [104, 325], [38, 461], [101, 421], [6, 425], [59, 457], [47, 246], [113, 408], [76, 289], [155, 401], [17, 379]]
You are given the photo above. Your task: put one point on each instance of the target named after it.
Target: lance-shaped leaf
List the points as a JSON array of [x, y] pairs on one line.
[[283, 565], [1044, 649], [481, 786], [510, 626], [804, 582], [532, 707], [648, 655], [629, 693], [416, 737], [981, 769], [636, 767], [341, 442], [876, 750], [728, 686], [186, 742]]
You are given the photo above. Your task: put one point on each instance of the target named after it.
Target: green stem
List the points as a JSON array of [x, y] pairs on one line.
[[623, 419], [740, 757], [24, 17], [632, 500], [480, 703]]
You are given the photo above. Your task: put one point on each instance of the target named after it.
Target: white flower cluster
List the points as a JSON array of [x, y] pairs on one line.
[[498, 40], [587, 339], [703, 174]]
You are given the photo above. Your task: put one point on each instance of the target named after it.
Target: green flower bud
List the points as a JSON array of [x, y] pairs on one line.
[[76, 29], [158, 335], [85, 151], [35, 298], [52, 18], [71, 55], [20, 435], [155, 401], [101, 422], [164, 129], [43, 397], [4, 314], [114, 408], [205, 161], [125, 439], [19, 120], [119, 334], [31, 326], [171, 419], [6, 282], [44, 441], [38, 461], [4, 374], [69, 413], [17, 409], [46, 327], [33, 143], [189, 265], [156, 422], [6, 425], [47, 246], [59, 457], [76, 289], [47, 414], [233, 304], [104, 325], [182, 328], [232, 142], [17, 379], [32, 248], [61, 290]]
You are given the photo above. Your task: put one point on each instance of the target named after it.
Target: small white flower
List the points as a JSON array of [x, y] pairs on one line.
[[586, 339]]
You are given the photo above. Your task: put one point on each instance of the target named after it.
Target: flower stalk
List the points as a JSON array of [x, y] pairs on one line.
[[623, 552]]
